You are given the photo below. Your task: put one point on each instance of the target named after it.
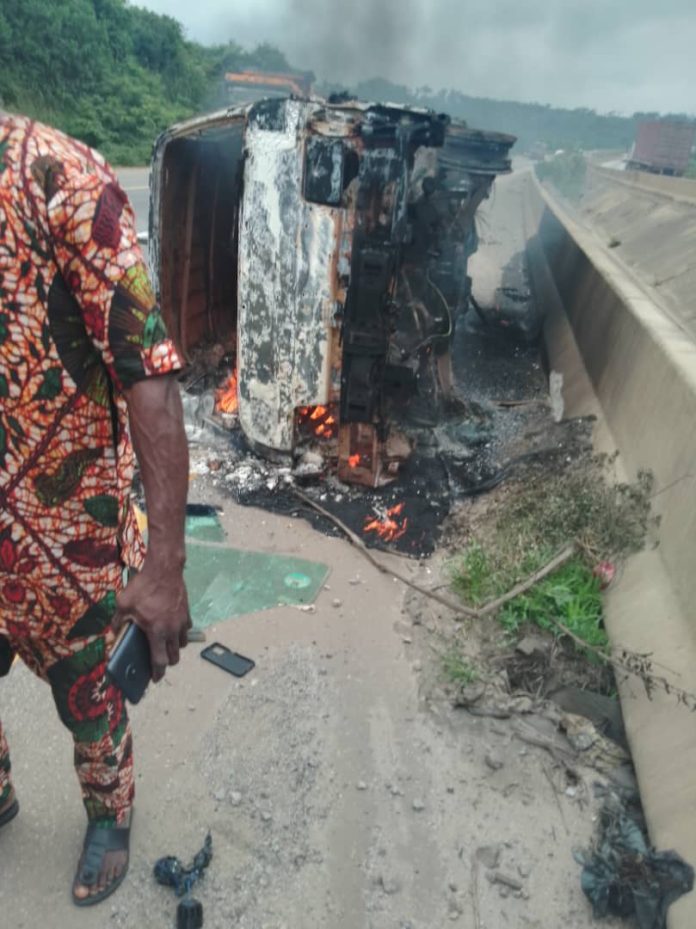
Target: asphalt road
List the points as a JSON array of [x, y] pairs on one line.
[[135, 183]]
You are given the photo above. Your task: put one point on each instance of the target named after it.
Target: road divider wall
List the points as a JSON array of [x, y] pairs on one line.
[[677, 188], [625, 361]]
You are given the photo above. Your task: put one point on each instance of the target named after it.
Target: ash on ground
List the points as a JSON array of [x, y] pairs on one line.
[[504, 425]]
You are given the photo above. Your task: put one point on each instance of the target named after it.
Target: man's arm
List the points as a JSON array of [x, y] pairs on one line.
[[156, 597]]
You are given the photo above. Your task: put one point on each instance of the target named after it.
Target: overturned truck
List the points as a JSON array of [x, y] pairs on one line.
[[323, 248]]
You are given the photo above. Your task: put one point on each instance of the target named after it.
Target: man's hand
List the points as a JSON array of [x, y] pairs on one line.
[[158, 603]]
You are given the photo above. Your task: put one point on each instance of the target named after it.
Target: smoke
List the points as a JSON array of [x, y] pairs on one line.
[[625, 55], [350, 41]]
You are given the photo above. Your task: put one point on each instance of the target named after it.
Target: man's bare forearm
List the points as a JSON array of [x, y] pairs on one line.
[[159, 439], [156, 598]]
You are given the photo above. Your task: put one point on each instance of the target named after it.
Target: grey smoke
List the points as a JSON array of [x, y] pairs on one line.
[[622, 55], [354, 40]]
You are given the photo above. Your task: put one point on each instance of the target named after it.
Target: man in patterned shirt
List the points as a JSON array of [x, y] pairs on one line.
[[85, 370]]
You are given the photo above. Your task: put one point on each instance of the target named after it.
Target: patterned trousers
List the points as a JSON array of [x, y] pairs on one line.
[[89, 705]]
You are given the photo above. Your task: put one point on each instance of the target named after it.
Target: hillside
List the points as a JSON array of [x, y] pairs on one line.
[[112, 74]]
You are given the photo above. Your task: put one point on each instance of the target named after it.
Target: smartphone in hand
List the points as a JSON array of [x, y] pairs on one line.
[[129, 666]]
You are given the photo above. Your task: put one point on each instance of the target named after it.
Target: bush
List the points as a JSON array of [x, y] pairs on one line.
[[535, 520], [566, 172]]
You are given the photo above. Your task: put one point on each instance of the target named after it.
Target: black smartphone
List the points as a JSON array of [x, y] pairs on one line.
[[129, 666], [229, 661]]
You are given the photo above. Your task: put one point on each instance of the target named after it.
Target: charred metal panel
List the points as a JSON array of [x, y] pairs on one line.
[[392, 140], [324, 171], [366, 333], [287, 256]]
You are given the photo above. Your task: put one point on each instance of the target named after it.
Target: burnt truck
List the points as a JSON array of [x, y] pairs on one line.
[[322, 248], [247, 86]]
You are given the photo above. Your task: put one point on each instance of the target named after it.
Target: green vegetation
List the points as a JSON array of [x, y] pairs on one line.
[[111, 74], [566, 172], [531, 524], [572, 596], [483, 573], [458, 670]]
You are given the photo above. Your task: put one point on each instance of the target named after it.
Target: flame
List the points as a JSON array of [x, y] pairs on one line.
[[388, 529], [226, 399], [354, 461], [320, 419]]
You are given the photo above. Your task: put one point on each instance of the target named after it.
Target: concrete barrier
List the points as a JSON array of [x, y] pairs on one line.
[[624, 360], [677, 188]]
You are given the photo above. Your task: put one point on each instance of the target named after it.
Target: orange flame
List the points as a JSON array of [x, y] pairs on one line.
[[320, 419], [226, 399], [388, 529], [354, 461]]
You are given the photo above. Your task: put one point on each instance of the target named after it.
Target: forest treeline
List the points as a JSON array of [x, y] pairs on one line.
[[110, 73]]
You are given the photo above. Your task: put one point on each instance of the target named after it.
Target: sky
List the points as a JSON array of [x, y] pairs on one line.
[[610, 55]]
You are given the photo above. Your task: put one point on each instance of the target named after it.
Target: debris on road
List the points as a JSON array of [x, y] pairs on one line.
[[189, 914], [498, 877], [493, 761], [170, 872], [623, 876]]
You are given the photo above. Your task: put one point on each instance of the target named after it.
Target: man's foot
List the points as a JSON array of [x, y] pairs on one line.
[[103, 863], [9, 809]]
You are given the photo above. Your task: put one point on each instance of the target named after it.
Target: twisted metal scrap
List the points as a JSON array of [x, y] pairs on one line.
[[170, 872]]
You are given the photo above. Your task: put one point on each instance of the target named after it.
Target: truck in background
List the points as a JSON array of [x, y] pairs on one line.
[[662, 146], [249, 86]]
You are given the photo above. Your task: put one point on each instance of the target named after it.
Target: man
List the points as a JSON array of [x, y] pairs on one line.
[[85, 366]]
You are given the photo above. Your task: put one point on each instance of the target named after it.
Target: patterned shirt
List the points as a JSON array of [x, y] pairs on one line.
[[78, 325]]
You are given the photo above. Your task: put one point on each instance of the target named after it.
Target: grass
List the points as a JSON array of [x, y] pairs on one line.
[[459, 670], [571, 596], [532, 523], [483, 572], [608, 520]]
